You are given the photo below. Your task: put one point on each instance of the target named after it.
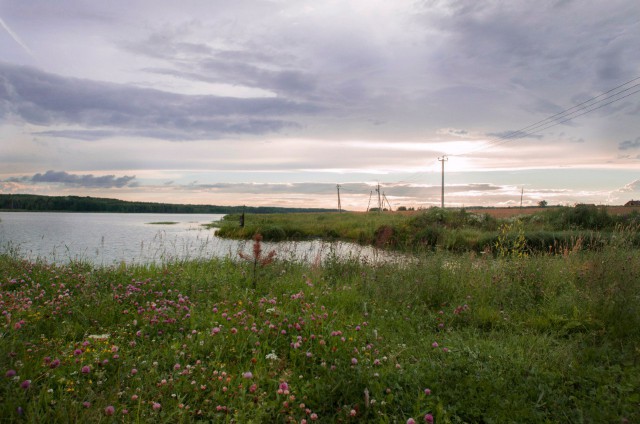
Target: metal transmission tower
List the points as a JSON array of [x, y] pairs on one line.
[[384, 199], [442, 159], [339, 206]]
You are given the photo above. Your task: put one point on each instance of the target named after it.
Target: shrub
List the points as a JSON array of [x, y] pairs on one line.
[[273, 233]]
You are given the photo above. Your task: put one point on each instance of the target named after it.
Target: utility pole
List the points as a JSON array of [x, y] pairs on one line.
[[339, 206], [379, 199], [442, 159], [521, 194]]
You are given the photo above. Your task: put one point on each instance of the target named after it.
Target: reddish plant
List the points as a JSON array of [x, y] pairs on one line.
[[257, 258]]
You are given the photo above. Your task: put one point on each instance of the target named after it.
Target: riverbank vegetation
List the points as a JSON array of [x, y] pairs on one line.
[[445, 338], [553, 229]]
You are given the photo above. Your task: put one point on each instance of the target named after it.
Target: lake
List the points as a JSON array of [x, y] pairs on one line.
[[112, 238]]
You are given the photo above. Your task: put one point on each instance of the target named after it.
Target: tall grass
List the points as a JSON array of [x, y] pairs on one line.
[[521, 337], [454, 230]]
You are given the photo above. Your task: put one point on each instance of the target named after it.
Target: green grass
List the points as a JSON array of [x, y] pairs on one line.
[[520, 338], [359, 227], [555, 230]]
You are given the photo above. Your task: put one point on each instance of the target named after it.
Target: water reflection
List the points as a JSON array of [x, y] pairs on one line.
[[107, 239]]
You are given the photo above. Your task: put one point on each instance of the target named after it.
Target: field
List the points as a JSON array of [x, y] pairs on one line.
[[447, 338]]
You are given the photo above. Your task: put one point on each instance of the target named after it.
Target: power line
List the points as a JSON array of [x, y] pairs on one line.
[[562, 117], [564, 120]]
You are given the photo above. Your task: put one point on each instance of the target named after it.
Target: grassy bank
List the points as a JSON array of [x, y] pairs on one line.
[[353, 226], [460, 338], [548, 230]]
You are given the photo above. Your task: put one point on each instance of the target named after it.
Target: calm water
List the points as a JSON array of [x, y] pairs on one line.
[[106, 239]]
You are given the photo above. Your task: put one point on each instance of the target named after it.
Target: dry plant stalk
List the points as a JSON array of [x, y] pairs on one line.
[[257, 258]]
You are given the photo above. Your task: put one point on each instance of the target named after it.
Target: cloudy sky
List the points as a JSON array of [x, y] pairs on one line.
[[276, 102]]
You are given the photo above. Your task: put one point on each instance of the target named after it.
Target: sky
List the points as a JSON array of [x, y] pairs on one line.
[[278, 102]]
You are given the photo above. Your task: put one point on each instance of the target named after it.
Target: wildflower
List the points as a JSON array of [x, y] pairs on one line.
[[99, 337], [427, 391], [134, 371], [86, 404], [86, 369], [77, 352], [54, 364], [156, 406], [354, 361], [313, 416], [283, 388], [248, 375], [434, 344], [10, 373], [109, 410], [411, 421], [134, 397], [352, 413], [25, 384], [428, 418]]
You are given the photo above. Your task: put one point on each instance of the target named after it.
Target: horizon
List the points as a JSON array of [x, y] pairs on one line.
[[373, 207], [276, 103]]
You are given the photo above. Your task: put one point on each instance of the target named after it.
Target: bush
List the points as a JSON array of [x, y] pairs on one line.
[[273, 233], [580, 217]]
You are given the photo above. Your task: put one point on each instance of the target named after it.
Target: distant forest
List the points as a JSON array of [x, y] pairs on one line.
[[32, 202]]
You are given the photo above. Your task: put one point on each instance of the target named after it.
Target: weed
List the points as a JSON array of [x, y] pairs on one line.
[[257, 259]]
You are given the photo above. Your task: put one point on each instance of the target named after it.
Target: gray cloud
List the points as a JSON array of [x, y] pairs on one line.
[[329, 74], [87, 180], [104, 109], [453, 132], [347, 189], [524, 39], [512, 135], [629, 144]]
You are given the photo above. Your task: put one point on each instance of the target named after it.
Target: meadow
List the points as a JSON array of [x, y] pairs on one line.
[[515, 336]]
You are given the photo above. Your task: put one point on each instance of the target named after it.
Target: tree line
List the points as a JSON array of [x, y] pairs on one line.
[[33, 202]]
